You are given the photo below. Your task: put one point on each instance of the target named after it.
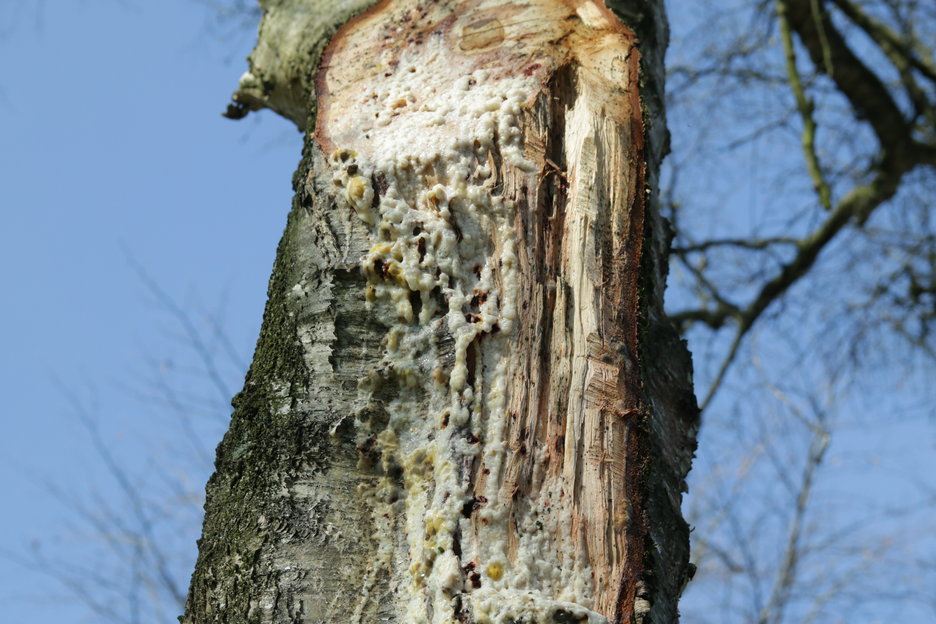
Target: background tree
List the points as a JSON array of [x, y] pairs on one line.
[[803, 281], [857, 83]]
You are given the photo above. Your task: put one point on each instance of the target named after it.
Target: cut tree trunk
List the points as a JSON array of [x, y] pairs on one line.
[[465, 405]]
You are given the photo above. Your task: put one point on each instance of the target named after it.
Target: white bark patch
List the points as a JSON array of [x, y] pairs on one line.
[[443, 265]]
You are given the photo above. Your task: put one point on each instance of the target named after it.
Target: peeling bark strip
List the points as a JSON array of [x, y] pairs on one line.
[[494, 154]]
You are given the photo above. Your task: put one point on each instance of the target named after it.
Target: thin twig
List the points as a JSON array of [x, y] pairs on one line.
[[806, 107]]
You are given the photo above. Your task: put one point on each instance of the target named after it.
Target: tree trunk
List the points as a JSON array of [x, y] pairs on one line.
[[465, 404]]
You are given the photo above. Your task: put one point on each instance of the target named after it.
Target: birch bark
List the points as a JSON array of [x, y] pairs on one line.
[[465, 403]]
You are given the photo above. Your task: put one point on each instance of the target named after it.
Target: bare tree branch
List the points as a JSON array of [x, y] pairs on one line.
[[899, 51], [805, 106]]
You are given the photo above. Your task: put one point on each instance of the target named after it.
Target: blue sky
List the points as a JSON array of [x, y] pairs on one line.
[[112, 147]]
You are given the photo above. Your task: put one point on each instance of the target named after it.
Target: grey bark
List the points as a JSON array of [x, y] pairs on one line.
[[289, 529]]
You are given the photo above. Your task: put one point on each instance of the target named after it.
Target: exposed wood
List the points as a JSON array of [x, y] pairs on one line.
[[554, 396]]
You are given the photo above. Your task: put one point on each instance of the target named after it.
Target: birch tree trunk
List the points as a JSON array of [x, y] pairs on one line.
[[465, 404]]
